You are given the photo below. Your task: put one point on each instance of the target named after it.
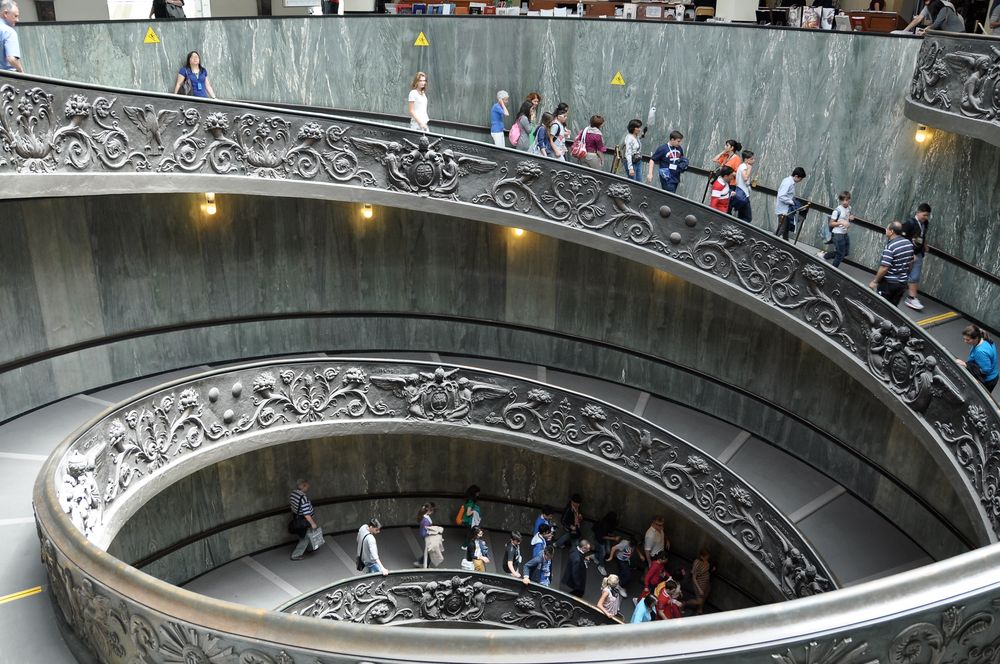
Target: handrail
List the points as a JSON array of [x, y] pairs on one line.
[[448, 596], [173, 430], [768, 191]]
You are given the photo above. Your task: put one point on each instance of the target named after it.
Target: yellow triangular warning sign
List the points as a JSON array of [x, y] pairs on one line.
[[151, 37], [618, 80], [421, 40]]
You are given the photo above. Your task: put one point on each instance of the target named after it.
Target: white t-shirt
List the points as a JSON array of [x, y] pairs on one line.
[[841, 213], [419, 109], [741, 178], [653, 542]]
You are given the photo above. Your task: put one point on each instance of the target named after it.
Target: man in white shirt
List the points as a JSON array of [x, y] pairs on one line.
[[368, 548], [9, 44], [785, 202], [655, 541]]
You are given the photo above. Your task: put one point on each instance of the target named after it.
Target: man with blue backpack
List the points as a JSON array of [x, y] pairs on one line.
[[670, 161]]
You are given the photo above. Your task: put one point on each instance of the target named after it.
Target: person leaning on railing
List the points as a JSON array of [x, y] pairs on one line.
[[982, 361], [946, 18]]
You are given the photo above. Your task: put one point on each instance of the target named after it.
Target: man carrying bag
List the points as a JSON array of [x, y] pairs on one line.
[[303, 524]]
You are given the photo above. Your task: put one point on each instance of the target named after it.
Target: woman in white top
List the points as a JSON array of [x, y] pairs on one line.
[[632, 153], [557, 133], [610, 601], [417, 102], [741, 202]]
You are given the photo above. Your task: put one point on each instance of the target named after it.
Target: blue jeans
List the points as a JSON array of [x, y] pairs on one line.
[[624, 571], [301, 547], [916, 268], [666, 183], [372, 568], [841, 249], [637, 172]]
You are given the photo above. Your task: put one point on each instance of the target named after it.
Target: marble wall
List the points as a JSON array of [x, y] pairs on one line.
[[832, 103], [73, 270], [356, 466]]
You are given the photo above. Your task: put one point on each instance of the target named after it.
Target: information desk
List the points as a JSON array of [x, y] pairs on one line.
[[876, 21]]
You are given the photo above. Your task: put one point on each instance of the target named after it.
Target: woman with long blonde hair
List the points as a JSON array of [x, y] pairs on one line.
[[610, 601], [417, 102]]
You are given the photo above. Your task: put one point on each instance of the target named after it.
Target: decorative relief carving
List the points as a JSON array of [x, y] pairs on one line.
[[445, 596], [119, 630], [438, 395], [976, 445], [706, 484], [34, 141], [834, 651], [770, 272], [900, 360], [944, 73], [423, 167], [139, 440]]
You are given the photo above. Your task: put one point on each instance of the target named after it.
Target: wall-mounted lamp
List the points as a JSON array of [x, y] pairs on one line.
[[210, 203], [367, 211], [922, 134], [518, 232]]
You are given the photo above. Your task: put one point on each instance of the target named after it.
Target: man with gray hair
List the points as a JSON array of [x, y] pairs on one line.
[[497, 114], [10, 47], [302, 517]]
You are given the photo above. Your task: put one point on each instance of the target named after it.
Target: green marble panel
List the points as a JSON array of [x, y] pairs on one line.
[[832, 103]]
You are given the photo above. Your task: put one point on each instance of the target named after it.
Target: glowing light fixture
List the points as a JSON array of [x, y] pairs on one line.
[[367, 211], [518, 232], [210, 203], [922, 134]]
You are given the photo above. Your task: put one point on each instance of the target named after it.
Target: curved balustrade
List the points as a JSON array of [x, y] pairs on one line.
[[73, 138], [106, 472], [956, 85], [488, 600]]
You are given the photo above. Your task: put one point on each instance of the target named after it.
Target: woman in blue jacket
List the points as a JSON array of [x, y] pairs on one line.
[[982, 360]]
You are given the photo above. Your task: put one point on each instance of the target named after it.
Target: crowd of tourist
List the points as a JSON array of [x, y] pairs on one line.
[[662, 592]]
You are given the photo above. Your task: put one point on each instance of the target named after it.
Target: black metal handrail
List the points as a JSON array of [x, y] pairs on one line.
[[482, 129]]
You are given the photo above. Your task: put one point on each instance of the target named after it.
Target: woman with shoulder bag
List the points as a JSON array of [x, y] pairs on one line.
[[633, 150]]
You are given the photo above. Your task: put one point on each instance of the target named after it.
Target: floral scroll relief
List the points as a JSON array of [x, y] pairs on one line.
[[769, 272], [704, 484], [34, 141], [262, 146]]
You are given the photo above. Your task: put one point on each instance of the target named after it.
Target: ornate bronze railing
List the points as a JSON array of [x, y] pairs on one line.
[[487, 600], [956, 85], [140, 447]]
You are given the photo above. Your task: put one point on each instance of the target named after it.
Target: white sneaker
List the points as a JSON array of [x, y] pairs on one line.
[[601, 570], [820, 254], [914, 303]]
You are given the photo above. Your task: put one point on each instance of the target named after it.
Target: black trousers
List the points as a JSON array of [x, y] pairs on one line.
[[892, 290]]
